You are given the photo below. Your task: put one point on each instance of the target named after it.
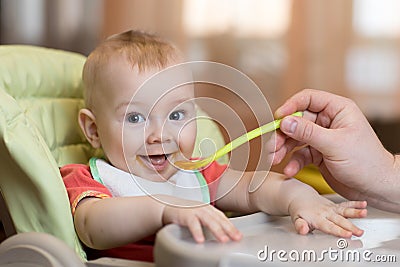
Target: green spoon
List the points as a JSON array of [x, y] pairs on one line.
[[266, 128]]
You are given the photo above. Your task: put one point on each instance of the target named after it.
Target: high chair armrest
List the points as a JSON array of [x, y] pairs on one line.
[[112, 262], [40, 249], [37, 249]]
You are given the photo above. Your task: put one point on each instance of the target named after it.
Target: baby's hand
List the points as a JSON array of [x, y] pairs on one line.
[[206, 215], [327, 216]]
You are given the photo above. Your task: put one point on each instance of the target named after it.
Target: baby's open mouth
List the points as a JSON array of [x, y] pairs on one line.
[[158, 162]]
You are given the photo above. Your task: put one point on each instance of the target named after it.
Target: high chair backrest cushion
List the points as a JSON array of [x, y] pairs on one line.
[[46, 84], [40, 94]]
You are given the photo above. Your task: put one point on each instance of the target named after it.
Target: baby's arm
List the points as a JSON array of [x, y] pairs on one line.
[[113, 222], [279, 195]]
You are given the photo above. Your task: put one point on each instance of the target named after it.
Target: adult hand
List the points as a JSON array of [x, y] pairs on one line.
[[337, 138]]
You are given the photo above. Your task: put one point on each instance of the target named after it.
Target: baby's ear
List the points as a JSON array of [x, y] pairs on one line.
[[87, 122]]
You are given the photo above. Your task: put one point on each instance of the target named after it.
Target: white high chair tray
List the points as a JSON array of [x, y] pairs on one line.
[[272, 241]]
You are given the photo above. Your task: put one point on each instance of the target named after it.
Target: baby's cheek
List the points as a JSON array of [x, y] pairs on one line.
[[187, 137]]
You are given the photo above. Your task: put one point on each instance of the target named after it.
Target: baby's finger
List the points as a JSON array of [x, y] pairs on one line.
[[352, 209], [196, 230], [329, 227], [354, 213], [301, 226], [217, 230], [346, 224], [226, 225], [232, 231], [354, 204]]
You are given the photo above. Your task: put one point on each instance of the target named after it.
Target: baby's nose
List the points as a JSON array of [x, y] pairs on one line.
[[157, 133]]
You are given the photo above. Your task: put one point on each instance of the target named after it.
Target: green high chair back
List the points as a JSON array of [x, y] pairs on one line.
[[40, 95]]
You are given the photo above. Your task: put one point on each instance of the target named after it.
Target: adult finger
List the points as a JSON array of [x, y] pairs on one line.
[[308, 99], [309, 133]]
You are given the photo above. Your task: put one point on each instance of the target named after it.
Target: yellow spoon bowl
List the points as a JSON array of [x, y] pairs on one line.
[[266, 128]]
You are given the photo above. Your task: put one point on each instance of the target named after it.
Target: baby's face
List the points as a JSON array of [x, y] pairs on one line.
[[144, 130]]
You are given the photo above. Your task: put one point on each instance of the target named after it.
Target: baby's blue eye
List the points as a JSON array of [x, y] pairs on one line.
[[177, 115], [135, 118]]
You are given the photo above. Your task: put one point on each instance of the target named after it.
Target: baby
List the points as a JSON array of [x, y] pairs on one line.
[[119, 203]]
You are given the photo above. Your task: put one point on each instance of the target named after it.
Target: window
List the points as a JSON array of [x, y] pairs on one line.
[[64, 24], [246, 34], [373, 57], [22, 21], [373, 60], [244, 18], [376, 18]]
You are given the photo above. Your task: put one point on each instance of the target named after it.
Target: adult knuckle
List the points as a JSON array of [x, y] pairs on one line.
[[308, 132], [308, 91]]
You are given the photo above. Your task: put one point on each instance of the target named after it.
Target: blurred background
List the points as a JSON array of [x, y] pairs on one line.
[[348, 47]]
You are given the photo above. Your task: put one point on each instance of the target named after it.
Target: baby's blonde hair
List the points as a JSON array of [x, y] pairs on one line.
[[142, 50]]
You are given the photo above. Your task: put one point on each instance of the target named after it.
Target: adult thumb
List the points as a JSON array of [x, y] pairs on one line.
[[307, 132]]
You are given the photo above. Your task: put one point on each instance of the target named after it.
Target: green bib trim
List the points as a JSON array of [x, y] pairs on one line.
[[94, 170], [204, 186]]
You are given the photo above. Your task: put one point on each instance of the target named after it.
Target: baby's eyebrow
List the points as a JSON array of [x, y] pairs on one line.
[[125, 105], [183, 101], [122, 105]]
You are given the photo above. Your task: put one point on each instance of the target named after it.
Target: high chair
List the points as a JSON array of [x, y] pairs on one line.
[[40, 95]]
